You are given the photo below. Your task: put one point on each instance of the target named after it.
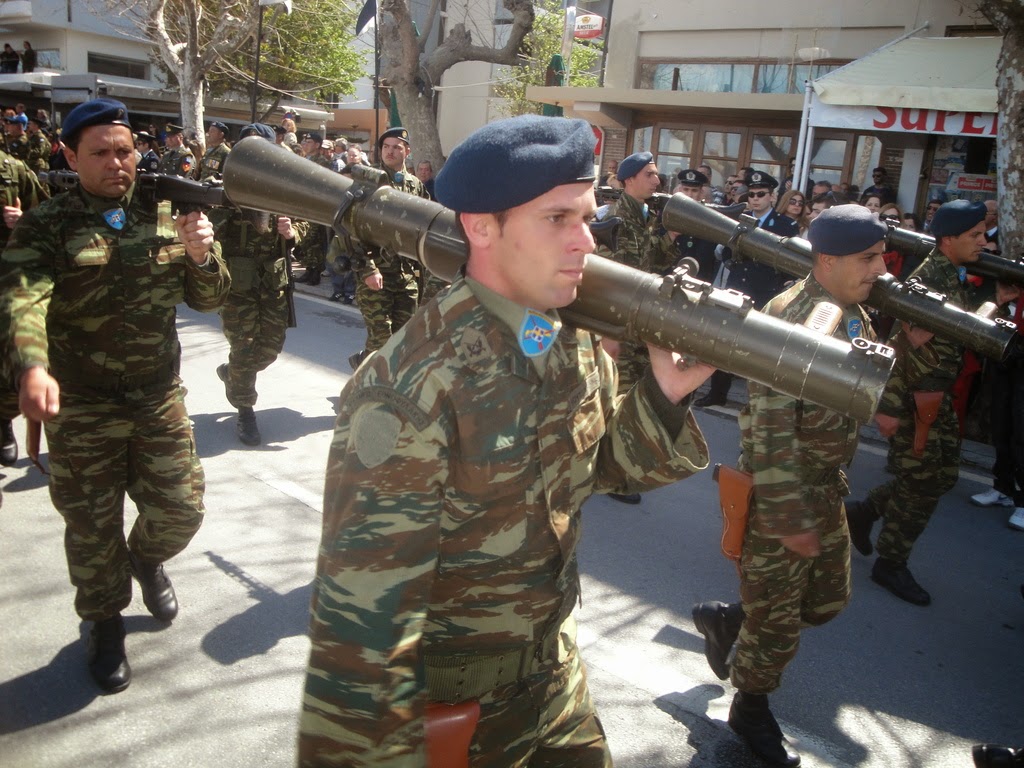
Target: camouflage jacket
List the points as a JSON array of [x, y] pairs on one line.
[[934, 366], [39, 151], [19, 184], [377, 259], [794, 448], [212, 165], [18, 147], [452, 516], [254, 259], [178, 161], [637, 245], [94, 305]]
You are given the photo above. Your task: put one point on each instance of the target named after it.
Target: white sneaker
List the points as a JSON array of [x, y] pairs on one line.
[[992, 498], [1016, 520]]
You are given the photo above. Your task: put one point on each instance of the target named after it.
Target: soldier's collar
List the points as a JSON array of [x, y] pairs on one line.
[[543, 326], [103, 204]]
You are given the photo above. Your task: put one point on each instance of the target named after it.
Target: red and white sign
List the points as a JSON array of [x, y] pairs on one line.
[[588, 26], [599, 135], [973, 182], [904, 120]]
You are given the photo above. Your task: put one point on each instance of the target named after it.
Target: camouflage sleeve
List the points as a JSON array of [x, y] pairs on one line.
[[639, 452], [772, 455], [26, 285], [207, 287], [301, 229], [365, 692], [30, 191]]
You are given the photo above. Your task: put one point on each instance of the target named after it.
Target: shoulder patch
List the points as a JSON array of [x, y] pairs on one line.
[[374, 435], [474, 346], [394, 400]]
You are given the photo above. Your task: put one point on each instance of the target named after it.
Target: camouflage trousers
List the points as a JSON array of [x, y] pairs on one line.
[[783, 592], [544, 721], [140, 442], [633, 360], [906, 503], [254, 323], [386, 310]]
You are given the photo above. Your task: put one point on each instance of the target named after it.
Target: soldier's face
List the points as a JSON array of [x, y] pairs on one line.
[[105, 160], [966, 247], [536, 257], [644, 184], [393, 153], [850, 278]]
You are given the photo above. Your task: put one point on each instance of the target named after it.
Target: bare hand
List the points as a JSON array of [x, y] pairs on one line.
[[805, 544], [374, 282], [12, 213], [196, 233], [38, 394], [886, 424], [917, 336], [1005, 293], [612, 347], [677, 376], [284, 228]]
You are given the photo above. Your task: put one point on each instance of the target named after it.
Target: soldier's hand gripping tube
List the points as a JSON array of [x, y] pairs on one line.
[[910, 302], [675, 312]]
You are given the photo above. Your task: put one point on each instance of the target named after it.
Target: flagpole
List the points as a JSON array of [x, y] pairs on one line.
[[376, 82]]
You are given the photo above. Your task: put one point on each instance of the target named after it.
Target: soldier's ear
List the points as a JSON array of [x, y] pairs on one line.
[[480, 228]]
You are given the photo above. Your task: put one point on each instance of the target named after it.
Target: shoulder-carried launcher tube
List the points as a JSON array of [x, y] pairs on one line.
[[675, 312]]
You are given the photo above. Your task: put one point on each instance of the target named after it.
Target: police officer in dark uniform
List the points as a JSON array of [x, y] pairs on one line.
[[758, 281], [691, 184], [147, 145]]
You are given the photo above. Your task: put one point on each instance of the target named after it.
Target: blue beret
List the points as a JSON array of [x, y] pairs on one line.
[[633, 164], [845, 229], [692, 178], [398, 132], [509, 162], [313, 136], [219, 126], [23, 119], [95, 112], [257, 129], [760, 179], [956, 217]]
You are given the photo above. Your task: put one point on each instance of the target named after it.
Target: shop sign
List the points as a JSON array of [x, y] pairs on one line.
[[589, 26], [904, 120]]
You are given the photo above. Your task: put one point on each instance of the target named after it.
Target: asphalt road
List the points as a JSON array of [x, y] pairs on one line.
[[885, 684]]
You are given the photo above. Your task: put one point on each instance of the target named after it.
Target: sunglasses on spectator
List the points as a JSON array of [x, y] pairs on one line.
[[796, 201], [758, 194]]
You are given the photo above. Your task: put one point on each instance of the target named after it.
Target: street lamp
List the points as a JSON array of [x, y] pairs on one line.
[[259, 39]]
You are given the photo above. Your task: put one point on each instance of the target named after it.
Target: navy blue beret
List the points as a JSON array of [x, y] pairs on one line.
[[692, 178], [313, 136], [257, 129], [398, 132], [509, 162], [95, 112], [219, 126], [845, 229], [633, 164], [760, 179], [956, 217]]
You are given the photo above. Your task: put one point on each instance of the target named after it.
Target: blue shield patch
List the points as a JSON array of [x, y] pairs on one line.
[[536, 334], [115, 217], [854, 328]]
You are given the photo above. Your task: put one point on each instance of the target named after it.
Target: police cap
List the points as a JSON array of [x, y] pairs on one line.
[[956, 217], [96, 112], [692, 178], [845, 229], [173, 130], [760, 179], [534, 154]]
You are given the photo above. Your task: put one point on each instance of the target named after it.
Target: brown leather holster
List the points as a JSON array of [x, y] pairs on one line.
[[926, 410], [735, 495], [33, 435], [449, 732]]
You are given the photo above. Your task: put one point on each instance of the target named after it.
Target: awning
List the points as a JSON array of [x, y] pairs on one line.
[[955, 74]]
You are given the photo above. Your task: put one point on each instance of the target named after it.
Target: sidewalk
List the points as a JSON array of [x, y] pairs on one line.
[[973, 454]]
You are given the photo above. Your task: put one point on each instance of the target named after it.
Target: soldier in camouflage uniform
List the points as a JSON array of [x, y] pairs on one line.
[[637, 246], [924, 364], [39, 147], [217, 150], [313, 255], [795, 565], [463, 452], [17, 141], [91, 279], [177, 159], [255, 314], [21, 192], [387, 285]]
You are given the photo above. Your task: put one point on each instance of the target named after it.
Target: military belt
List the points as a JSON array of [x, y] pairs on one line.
[[113, 383], [456, 678]]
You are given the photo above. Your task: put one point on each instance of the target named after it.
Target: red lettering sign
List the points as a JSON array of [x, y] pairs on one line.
[[890, 118]]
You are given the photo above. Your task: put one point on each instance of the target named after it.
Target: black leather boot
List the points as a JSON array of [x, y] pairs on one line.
[[248, 432], [108, 662], [995, 756], [898, 579], [625, 498], [157, 590], [720, 624], [8, 444], [860, 517], [750, 717]]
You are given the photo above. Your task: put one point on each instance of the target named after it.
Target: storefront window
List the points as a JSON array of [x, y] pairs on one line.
[[705, 78], [721, 152], [642, 139], [771, 154], [675, 141]]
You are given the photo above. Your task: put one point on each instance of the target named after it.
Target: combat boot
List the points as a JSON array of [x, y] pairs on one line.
[[157, 590], [248, 432], [896, 577], [720, 624], [8, 444], [108, 662], [860, 517], [356, 358], [750, 718], [625, 498], [995, 756]]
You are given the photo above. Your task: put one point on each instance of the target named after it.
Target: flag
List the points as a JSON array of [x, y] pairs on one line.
[[368, 14]]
